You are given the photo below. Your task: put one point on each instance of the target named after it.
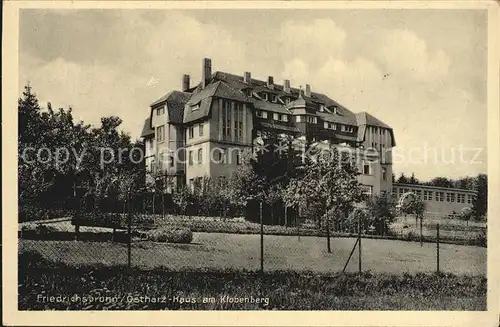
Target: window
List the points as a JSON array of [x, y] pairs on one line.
[[238, 121], [439, 196], [384, 173], [335, 110], [262, 114], [284, 118], [171, 160], [160, 111], [238, 158], [191, 132], [226, 119], [349, 129], [287, 100], [190, 158], [450, 197], [312, 119], [264, 96], [191, 183], [470, 199], [276, 116], [200, 156], [298, 119], [274, 98], [249, 93], [367, 168], [220, 156], [160, 133], [461, 198], [195, 107], [200, 129], [367, 190], [321, 108]]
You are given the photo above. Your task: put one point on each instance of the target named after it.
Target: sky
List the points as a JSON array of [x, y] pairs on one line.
[[421, 71]]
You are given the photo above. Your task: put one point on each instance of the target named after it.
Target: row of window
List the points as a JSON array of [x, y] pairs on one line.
[[191, 131], [220, 157], [438, 195]]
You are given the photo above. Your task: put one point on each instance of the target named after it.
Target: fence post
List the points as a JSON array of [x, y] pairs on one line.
[[328, 231], [437, 248], [129, 232], [359, 243], [421, 236], [261, 240]]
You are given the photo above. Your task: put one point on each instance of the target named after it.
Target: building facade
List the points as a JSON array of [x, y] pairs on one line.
[[202, 130], [439, 201]]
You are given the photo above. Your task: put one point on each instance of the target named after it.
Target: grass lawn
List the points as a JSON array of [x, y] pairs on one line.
[[242, 252], [116, 288]]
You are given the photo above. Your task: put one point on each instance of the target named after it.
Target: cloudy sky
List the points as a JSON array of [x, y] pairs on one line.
[[421, 71]]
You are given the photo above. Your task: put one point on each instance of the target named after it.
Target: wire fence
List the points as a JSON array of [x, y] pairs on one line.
[[186, 243]]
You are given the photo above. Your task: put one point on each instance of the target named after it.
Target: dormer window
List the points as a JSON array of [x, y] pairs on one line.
[[248, 93], [287, 100], [264, 96], [321, 108], [195, 107], [261, 114], [312, 119], [160, 111], [335, 110], [274, 98], [346, 128]]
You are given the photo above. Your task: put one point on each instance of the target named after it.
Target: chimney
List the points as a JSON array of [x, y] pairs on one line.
[[206, 72], [185, 83], [286, 86], [270, 82], [247, 77], [308, 90]]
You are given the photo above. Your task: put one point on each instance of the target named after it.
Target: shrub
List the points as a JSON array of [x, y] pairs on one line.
[[38, 229], [170, 235], [482, 238]]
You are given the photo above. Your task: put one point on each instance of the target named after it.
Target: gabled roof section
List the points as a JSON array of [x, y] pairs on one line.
[[202, 99], [202, 110], [175, 101], [364, 118], [146, 128]]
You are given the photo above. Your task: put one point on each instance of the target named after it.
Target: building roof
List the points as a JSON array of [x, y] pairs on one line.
[[364, 118], [237, 82], [279, 127], [146, 128], [186, 107], [175, 101], [270, 106]]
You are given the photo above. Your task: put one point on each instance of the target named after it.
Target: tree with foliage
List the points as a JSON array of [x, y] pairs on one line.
[[441, 182], [71, 156], [382, 213], [403, 179], [331, 177], [413, 179], [480, 205], [182, 199]]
